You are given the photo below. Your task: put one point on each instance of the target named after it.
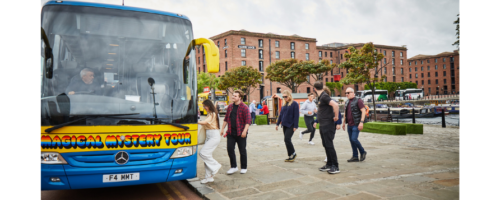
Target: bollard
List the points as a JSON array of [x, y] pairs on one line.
[[442, 118], [413, 114]]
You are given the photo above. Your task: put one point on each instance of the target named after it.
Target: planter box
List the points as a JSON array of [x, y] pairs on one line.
[[261, 119], [385, 128]]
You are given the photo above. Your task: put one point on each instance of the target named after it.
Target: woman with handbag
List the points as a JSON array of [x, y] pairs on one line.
[[211, 125]]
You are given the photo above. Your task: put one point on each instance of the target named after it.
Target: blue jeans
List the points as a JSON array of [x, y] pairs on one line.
[[253, 117], [353, 138]]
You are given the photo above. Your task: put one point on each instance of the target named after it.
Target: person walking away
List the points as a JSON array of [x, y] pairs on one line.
[[211, 125], [289, 120], [265, 110], [354, 116], [252, 111], [367, 113], [327, 116], [237, 120], [309, 109]]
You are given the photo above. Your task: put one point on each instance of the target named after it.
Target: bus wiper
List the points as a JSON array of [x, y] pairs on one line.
[[175, 124], [87, 117]]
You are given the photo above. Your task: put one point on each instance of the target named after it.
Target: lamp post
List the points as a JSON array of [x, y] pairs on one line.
[[399, 90]]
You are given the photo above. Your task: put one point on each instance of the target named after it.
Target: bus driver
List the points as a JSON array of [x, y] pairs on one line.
[[85, 85]]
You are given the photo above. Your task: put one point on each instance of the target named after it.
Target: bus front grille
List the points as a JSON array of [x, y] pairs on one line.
[[107, 158]]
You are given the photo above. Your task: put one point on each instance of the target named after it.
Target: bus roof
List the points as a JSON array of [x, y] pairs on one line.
[[117, 7]]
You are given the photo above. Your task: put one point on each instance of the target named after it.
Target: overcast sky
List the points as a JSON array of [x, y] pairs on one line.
[[425, 26]]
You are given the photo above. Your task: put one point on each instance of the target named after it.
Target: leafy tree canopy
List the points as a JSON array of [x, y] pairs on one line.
[[335, 86], [245, 78], [206, 80], [287, 72], [457, 22], [317, 70]]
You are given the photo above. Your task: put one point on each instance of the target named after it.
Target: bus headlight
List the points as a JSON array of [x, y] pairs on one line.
[[52, 158], [184, 152]]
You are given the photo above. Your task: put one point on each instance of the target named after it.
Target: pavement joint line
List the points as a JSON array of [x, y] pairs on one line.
[[396, 177], [164, 191]]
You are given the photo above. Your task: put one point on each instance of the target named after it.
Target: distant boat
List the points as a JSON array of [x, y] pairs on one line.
[[402, 113], [439, 109], [426, 112]]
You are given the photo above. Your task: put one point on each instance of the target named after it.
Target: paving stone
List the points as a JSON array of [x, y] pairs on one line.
[[449, 182], [408, 197], [308, 179], [275, 195], [417, 179], [309, 188], [224, 186], [279, 185], [447, 175], [440, 194], [215, 196], [241, 193], [360, 196], [275, 176], [321, 195]]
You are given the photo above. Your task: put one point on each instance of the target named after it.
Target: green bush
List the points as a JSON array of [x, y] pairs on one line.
[[261, 119], [385, 128], [414, 129], [302, 123]]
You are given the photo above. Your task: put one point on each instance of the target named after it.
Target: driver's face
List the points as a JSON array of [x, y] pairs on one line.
[[88, 78]]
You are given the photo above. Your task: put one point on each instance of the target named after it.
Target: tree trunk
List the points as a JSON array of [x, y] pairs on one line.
[[373, 101]]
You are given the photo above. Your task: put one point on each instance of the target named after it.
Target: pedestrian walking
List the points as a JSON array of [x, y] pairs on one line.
[[327, 116], [309, 110], [211, 125], [253, 109], [265, 110], [354, 117], [237, 120], [289, 120]]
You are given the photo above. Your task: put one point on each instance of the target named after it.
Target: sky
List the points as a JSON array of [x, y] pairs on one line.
[[424, 26]]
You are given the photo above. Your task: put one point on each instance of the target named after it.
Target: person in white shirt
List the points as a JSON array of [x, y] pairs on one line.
[[309, 109]]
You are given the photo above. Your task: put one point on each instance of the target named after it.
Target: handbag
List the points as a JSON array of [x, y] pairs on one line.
[[202, 134]]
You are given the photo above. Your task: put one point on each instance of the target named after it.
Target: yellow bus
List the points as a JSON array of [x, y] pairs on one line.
[[202, 97]]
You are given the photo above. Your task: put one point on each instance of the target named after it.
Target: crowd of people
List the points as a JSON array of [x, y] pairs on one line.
[[239, 117]]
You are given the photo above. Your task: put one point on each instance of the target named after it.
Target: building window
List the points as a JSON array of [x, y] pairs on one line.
[[331, 54], [444, 59], [416, 69], [292, 45], [393, 54], [422, 82], [435, 61], [199, 60], [401, 71], [428, 74], [410, 76], [203, 68], [422, 75], [437, 81], [422, 68], [416, 82], [422, 62], [198, 70], [307, 46], [261, 54], [428, 68], [436, 75], [452, 59], [429, 82], [409, 63], [409, 69], [331, 62], [278, 90], [326, 54], [261, 43], [342, 74], [444, 66], [225, 53], [307, 56], [203, 50], [401, 62], [385, 60], [262, 78], [385, 70], [243, 63], [393, 61], [243, 40], [226, 65], [428, 61], [320, 54], [402, 79], [243, 53], [393, 70], [292, 54], [444, 73], [261, 66], [401, 54], [385, 53], [436, 67], [277, 55], [394, 79], [276, 43], [204, 60], [218, 45], [444, 81], [416, 75]]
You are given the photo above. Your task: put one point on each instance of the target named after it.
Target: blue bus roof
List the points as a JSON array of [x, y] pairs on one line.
[[118, 7]]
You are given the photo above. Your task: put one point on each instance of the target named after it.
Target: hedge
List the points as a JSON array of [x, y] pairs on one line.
[[261, 119], [385, 128]]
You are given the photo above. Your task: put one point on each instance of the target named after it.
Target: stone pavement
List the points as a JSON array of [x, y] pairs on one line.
[[397, 167]]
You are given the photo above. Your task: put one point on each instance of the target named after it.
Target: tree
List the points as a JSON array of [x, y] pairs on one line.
[[360, 63], [206, 79], [244, 78], [287, 73], [316, 70], [335, 86], [457, 22]]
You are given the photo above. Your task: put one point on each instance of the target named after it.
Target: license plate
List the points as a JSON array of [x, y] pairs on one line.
[[106, 178]]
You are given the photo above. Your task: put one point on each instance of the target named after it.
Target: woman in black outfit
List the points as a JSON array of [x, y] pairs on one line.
[[289, 119]]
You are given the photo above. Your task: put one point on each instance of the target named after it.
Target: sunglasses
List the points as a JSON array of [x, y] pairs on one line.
[[285, 97], [348, 92]]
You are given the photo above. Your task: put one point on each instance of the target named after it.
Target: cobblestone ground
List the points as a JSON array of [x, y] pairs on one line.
[[397, 167]]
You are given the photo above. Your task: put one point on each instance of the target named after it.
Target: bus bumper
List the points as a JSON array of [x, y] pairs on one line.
[[80, 178]]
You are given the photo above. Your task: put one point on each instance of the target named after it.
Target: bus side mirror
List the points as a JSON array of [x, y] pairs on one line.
[[211, 54], [49, 63]]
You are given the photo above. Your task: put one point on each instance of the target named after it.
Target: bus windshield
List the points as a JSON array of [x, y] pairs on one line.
[[221, 98], [107, 62]]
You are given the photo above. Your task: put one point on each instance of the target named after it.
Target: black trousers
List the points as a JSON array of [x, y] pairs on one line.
[[327, 133], [309, 120], [267, 118], [288, 132], [242, 147]]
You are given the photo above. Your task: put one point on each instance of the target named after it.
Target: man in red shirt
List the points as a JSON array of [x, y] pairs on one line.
[[237, 120]]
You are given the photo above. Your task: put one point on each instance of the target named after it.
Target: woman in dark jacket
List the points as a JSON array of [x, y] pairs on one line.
[[289, 120]]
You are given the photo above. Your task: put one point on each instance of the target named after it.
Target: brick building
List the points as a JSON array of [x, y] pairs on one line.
[[436, 74], [238, 48]]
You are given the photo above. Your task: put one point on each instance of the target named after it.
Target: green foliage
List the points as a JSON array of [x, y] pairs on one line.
[[335, 86], [391, 86], [245, 78], [316, 70], [206, 79], [287, 72], [457, 22]]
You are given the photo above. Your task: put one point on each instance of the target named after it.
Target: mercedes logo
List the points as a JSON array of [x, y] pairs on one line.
[[121, 157]]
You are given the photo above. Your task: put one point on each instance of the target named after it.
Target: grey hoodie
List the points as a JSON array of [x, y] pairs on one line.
[[306, 107]]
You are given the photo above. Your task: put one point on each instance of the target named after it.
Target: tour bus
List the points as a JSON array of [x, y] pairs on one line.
[[399, 94], [366, 95], [118, 95], [221, 101], [202, 97], [413, 93]]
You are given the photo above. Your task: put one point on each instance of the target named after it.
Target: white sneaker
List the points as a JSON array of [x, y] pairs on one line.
[[311, 142], [301, 134], [232, 170], [243, 171], [207, 180], [326, 159]]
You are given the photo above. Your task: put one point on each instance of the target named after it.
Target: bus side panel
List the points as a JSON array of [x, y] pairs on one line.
[[49, 171], [93, 177], [188, 166]]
